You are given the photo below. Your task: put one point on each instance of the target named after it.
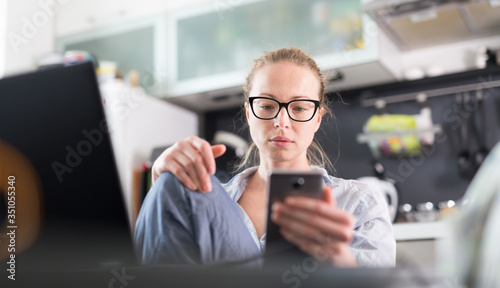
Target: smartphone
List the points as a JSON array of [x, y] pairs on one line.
[[287, 183]]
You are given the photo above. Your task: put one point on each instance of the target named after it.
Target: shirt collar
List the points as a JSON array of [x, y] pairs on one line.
[[237, 184]]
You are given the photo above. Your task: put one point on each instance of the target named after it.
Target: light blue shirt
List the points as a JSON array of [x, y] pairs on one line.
[[373, 244]]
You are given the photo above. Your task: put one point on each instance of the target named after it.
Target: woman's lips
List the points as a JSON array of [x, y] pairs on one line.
[[281, 141]]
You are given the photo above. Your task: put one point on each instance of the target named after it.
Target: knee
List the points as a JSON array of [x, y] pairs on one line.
[[168, 188], [167, 179], [167, 185]]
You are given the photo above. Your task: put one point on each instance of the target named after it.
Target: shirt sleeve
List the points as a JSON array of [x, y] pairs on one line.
[[373, 244]]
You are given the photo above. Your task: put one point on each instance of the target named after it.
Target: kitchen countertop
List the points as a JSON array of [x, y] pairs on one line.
[[420, 230]]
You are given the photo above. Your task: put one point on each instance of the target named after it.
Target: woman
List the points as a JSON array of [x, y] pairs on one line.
[[285, 104]]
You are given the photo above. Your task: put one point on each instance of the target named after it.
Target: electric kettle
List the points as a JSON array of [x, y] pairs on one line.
[[387, 189], [384, 186]]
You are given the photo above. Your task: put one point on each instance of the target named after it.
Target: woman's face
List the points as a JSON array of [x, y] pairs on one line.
[[283, 142]]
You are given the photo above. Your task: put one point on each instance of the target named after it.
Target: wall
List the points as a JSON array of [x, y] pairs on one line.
[[432, 176], [28, 33], [3, 36], [139, 124]]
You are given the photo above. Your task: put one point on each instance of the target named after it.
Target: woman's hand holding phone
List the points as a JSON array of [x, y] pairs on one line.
[[317, 227], [191, 161]]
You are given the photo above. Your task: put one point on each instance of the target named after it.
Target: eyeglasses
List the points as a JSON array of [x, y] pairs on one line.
[[268, 108]]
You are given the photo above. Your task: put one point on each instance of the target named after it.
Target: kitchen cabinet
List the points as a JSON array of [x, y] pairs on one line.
[[211, 47], [134, 45], [421, 253], [417, 242], [83, 15], [419, 230], [198, 56]]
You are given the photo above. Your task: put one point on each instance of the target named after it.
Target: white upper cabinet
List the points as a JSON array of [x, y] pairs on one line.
[[130, 45], [210, 47], [203, 50], [82, 15]]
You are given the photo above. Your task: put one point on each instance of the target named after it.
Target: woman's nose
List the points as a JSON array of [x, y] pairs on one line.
[[282, 120]]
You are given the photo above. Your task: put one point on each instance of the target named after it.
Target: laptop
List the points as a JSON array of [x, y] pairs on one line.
[[58, 175]]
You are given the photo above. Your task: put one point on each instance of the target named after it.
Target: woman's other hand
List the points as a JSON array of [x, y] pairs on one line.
[[317, 227], [191, 161]]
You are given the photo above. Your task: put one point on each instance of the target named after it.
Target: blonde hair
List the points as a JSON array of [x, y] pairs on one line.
[[315, 154]]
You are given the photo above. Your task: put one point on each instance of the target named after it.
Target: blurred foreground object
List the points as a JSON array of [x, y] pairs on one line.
[[20, 186], [471, 253]]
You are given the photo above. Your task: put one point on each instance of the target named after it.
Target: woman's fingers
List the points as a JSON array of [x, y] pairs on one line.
[[320, 236], [321, 208], [337, 253], [328, 196], [204, 155], [309, 246], [311, 225], [188, 168], [191, 160], [203, 162], [299, 230], [181, 174], [196, 164], [218, 150], [160, 165]]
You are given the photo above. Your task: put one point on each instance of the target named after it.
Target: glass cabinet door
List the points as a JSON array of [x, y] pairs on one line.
[[134, 45], [212, 46]]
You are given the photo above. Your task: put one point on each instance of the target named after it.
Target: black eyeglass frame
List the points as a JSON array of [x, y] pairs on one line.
[[316, 106]]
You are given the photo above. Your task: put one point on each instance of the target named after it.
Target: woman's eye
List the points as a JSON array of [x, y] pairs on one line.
[[268, 107], [299, 109]]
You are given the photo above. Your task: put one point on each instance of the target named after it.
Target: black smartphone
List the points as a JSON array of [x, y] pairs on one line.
[[287, 183]]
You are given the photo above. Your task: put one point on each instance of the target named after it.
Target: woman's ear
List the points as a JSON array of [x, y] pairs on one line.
[[246, 110], [321, 112]]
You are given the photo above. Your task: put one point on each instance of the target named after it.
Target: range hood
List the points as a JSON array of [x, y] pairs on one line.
[[416, 24]]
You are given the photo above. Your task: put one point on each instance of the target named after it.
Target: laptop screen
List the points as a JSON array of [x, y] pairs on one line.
[[58, 171]]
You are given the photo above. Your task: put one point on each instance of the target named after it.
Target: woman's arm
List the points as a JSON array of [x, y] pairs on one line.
[[191, 161]]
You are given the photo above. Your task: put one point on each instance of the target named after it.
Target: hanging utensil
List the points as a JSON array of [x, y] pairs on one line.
[[465, 162], [479, 127]]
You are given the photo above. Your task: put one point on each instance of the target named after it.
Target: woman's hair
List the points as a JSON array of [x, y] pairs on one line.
[[315, 154]]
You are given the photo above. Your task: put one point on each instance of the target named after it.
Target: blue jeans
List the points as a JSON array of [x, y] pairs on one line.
[[180, 226]]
